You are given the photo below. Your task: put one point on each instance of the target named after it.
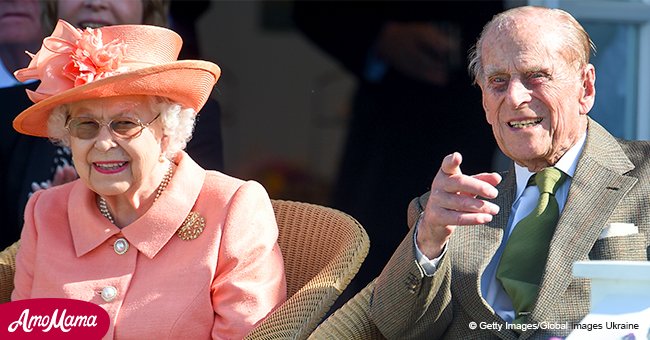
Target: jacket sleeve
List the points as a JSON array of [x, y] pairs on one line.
[[406, 304], [249, 281]]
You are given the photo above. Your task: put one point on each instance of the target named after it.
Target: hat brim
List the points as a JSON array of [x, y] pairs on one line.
[[187, 82]]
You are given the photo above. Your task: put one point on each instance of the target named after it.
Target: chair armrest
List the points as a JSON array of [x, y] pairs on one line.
[[7, 270]]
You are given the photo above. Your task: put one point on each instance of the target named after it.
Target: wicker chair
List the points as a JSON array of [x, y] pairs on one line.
[[323, 249], [7, 269], [352, 321]]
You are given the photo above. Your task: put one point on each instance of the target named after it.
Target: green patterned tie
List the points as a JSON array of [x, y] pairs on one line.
[[524, 257]]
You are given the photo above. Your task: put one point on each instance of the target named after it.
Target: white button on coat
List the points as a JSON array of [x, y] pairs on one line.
[[121, 246], [109, 293]]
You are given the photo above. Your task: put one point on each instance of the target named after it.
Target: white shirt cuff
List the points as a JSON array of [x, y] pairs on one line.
[[429, 266]]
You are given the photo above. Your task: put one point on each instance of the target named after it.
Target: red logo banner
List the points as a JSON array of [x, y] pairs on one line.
[[52, 319]]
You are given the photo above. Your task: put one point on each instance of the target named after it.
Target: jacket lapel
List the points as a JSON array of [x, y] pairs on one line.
[[597, 187]]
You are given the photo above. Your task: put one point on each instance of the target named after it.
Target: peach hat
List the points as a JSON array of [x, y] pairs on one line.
[[75, 64]]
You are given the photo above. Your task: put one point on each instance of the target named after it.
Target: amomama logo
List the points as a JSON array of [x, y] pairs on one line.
[[52, 319]]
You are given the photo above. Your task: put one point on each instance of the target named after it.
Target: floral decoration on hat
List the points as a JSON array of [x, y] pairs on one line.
[[119, 60], [73, 57], [91, 59]]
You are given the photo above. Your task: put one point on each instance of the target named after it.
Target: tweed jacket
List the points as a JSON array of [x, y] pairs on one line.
[[611, 184], [218, 285]]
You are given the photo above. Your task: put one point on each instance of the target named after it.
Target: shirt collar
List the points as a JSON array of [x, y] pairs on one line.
[[567, 163], [7, 78]]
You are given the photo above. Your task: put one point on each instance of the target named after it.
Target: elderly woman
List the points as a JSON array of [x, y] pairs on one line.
[[167, 248]]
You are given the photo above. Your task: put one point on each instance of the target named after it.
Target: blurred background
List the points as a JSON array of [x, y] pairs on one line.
[[286, 103]]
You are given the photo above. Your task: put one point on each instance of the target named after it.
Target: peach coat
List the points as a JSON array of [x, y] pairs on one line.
[[218, 285]]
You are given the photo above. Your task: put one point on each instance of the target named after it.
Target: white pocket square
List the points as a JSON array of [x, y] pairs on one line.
[[618, 229]]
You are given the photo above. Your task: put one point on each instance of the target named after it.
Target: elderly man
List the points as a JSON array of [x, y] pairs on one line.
[[491, 257]]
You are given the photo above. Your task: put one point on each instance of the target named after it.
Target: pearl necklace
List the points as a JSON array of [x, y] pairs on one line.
[[103, 207]]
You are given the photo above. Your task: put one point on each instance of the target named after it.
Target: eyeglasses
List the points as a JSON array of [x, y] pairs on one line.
[[123, 127]]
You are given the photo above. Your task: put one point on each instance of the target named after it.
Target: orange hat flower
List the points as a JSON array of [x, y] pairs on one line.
[[75, 64], [91, 59]]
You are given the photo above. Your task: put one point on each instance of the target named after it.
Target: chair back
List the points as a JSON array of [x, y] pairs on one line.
[[323, 249], [7, 269]]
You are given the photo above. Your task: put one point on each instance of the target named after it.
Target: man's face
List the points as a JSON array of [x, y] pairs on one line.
[[534, 98], [19, 22]]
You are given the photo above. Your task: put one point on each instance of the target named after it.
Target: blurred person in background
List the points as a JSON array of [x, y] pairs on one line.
[[29, 163]]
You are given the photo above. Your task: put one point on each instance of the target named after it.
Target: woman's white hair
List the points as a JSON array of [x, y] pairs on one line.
[[177, 121]]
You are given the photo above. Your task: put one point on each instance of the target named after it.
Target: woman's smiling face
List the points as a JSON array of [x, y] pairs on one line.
[[111, 165]]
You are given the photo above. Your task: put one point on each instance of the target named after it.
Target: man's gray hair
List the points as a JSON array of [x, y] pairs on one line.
[[577, 44]]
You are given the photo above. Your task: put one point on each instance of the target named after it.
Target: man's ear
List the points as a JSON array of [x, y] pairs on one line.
[[588, 96]]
